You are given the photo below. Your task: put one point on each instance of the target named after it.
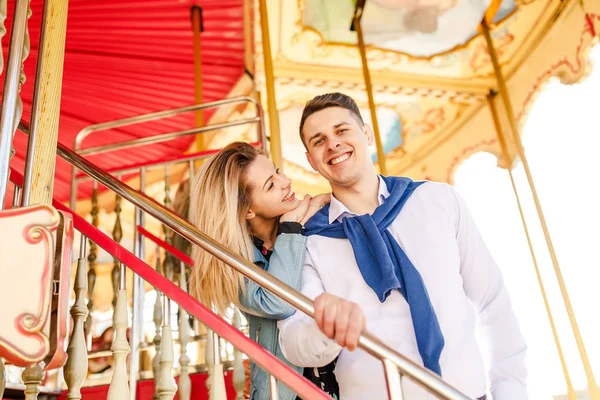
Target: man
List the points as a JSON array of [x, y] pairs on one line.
[[380, 242]]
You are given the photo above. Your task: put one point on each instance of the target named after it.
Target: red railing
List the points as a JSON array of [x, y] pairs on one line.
[[169, 248], [266, 360]]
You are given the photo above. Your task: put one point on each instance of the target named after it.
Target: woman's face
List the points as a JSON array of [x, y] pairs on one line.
[[270, 191]]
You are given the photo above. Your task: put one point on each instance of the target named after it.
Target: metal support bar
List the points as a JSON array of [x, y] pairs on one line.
[[275, 136], [197, 29], [393, 380], [503, 89], [137, 309], [248, 38], [11, 93], [369, 89], [504, 146]]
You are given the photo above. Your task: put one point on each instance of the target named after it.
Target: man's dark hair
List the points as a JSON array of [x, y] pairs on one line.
[[328, 100]]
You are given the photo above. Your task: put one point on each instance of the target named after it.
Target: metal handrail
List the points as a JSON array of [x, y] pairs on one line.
[[153, 116], [106, 148], [161, 163], [391, 359]]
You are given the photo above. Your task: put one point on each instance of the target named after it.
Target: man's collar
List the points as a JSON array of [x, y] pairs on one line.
[[337, 210]]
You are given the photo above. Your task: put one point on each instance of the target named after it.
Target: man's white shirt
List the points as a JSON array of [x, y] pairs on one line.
[[438, 234]]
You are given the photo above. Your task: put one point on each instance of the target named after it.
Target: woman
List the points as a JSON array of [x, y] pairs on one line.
[[244, 202]]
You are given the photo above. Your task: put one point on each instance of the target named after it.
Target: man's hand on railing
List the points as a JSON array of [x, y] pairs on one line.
[[339, 319]]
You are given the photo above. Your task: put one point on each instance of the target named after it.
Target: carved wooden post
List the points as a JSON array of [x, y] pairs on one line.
[[166, 386], [2, 378], [168, 261], [91, 275], [185, 385], [117, 236], [216, 381], [158, 318], [32, 378], [77, 363], [119, 388], [210, 360], [239, 374], [3, 12]]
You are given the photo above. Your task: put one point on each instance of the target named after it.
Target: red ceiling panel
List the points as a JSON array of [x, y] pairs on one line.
[[129, 57]]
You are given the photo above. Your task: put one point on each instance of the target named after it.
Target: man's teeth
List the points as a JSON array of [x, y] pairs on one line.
[[339, 159]]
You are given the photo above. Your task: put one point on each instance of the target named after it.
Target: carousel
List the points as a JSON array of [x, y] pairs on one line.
[[145, 91]]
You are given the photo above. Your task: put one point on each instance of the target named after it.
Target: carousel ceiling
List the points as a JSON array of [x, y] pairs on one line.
[[430, 69], [429, 63]]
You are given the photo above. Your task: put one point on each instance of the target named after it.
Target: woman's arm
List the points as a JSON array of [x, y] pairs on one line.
[[286, 262], [286, 265]]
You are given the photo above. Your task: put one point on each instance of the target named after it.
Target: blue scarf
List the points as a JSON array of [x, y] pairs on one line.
[[384, 265]]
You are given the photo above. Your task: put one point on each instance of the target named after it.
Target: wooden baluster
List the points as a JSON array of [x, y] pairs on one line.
[[77, 363], [119, 387], [3, 12], [185, 385], [168, 262], [16, 203], [239, 375], [117, 236], [166, 385], [158, 318], [91, 275], [32, 378], [210, 360], [216, 380], [2, 378]]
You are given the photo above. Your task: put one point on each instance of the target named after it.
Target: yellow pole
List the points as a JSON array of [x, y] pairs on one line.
[[504, 146], [248, 56], [43, 134], [197, 29], [592, 386], [369, 89], [275, 138]]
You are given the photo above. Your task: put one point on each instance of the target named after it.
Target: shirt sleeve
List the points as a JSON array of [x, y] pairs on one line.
[[300, 339], [285, 264], [497, 322]]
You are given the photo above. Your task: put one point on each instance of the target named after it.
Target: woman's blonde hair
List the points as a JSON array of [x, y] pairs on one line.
[[219, 203]]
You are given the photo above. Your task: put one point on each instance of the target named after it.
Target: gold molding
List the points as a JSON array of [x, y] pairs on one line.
[[289, 70]]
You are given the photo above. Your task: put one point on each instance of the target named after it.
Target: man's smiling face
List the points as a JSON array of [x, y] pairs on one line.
[[337, 145]]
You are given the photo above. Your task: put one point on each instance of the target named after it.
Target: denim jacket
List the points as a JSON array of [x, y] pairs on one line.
[[263, 308]]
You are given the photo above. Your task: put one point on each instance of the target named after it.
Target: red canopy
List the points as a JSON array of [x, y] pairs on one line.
[[129, 57]]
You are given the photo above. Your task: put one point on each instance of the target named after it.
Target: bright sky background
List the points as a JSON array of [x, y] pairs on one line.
[[562, 137]]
